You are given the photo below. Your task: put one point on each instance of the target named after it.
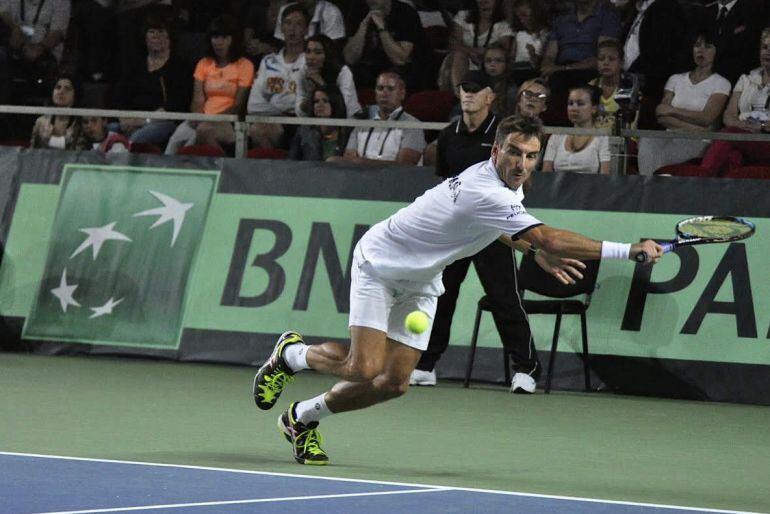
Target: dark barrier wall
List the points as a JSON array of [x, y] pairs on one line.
[[209, 259]]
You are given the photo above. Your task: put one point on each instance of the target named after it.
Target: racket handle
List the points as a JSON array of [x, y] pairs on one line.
[[667, 247]]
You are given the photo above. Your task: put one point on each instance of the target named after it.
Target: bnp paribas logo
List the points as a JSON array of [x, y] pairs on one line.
[[120, 252]]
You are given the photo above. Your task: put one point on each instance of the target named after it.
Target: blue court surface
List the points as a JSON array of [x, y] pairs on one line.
[[33, 484]]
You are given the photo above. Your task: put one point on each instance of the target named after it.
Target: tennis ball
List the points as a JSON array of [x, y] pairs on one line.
[[417, 322]]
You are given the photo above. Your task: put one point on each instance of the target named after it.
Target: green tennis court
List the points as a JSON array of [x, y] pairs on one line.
[[631, 449]]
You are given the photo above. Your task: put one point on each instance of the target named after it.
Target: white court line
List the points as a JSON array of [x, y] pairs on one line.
[[379, 482], [242, 502]]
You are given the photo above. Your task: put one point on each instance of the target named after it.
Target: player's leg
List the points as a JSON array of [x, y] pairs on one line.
[[497, 273], [381, 360], [370, 304], [452, 278], [390, 381], [299, 423]]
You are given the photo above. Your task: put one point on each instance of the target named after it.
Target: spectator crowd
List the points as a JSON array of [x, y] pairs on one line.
[[700, 65]]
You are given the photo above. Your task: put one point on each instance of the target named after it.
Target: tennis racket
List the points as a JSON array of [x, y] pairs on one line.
[[704, 230]]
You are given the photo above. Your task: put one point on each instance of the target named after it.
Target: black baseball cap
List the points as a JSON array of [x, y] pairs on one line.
[[477, 77]]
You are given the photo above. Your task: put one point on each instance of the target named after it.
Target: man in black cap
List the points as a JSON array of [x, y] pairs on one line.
[[460, 145]]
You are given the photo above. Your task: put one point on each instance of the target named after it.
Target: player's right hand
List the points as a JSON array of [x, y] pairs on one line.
[[650, 248]]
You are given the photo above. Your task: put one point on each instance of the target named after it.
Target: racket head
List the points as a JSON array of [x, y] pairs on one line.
[[714, 229]]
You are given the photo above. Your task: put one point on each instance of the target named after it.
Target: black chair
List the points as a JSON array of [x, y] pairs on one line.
[[559, 302]]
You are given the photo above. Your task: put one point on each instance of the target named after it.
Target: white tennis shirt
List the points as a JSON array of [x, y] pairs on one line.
[[455, 219]]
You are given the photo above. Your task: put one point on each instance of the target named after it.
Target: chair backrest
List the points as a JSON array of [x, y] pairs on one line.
[[148, 148], [267, 153], [438, 38], [430, 105], [684, 170], [759, 172], [534, 278], [366, 96], [202, 150]]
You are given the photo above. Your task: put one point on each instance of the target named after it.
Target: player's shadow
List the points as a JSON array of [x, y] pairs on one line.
[[649, 370]]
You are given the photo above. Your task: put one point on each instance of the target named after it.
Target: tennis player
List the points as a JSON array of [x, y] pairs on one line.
[[396, 269]]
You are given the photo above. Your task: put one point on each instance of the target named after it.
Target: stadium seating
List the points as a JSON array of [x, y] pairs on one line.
[[366, 96], [202, 150], [146, 148], [267, 153], [430, 105], [758, 172], [684, 170]]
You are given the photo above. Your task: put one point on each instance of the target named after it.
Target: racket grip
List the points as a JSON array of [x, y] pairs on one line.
[[667, 247]]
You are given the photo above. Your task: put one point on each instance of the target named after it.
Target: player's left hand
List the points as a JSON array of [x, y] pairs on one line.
[[563, 269]]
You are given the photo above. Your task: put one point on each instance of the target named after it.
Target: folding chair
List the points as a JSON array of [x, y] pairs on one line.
[[559, 302]]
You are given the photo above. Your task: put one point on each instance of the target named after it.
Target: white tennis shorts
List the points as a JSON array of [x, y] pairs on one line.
[[383, 305]]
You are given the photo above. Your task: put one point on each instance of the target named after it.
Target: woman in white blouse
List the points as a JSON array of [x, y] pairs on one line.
[[579, 154], [323, 66], [748, 111], [692, 101]]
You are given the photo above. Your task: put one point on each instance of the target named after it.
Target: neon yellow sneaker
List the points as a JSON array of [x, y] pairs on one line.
[[274, 375], [306, 440]]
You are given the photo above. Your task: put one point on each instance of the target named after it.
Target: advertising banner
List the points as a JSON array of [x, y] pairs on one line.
[[203, 259]]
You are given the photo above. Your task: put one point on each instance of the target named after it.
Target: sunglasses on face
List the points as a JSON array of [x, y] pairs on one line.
[[532, 95]]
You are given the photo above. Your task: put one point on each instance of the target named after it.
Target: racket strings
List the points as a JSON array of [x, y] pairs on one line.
[[714, 228]]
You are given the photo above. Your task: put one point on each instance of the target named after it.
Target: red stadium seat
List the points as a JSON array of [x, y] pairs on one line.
[[438, 38], [115, 142], [759, 172], [144, 148], [430, 105], [267, 153], [366, 96], [24, 143], [684, 170], [202, 150]]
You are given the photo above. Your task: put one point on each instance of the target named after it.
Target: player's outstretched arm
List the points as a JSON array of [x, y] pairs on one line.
[[563, 243]]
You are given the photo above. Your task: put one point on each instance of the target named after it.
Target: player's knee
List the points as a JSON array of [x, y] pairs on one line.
[[390, 386], [363, 369]]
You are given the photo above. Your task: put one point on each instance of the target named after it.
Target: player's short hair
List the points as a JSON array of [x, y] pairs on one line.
[[527, 126]]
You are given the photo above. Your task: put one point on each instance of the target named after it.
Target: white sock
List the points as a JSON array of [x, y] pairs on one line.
[[295, 355], [311, 410]]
